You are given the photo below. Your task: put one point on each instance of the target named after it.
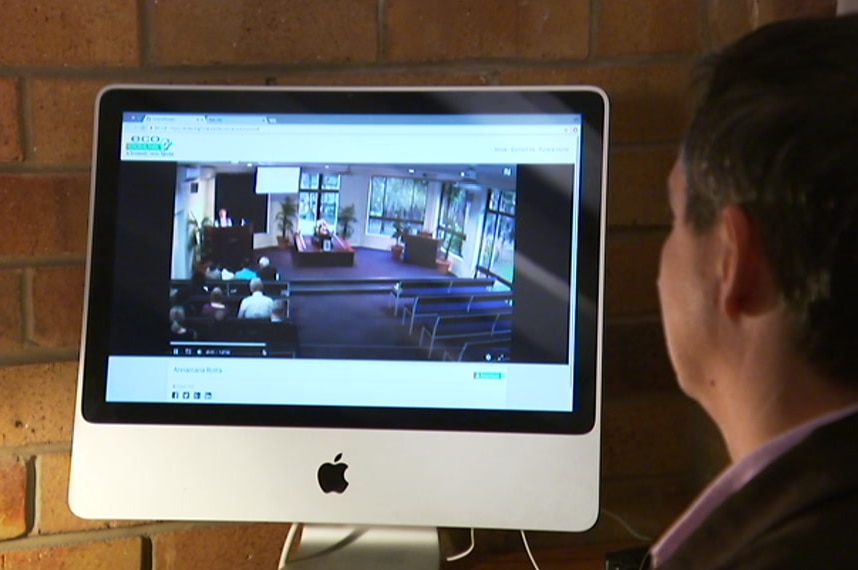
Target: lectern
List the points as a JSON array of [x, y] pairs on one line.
[[231, 246], [421, 250]]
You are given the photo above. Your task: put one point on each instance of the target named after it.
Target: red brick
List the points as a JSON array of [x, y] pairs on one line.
[[648, 437], [463, 29], [637, 186], [649, 26], [265, 32], [37, 403], [10, 122], [58, 305], [237, 547], [13, 497], [731, 19], [58, 32], [54, 513], [11, 323], [771, 10], [630, 276], [62, 112], [43, 214], [635, 359], [647, 100], [125, 554], [381, 78]]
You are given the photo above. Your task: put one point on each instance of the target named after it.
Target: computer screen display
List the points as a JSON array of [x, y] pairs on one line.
[[356, 261]]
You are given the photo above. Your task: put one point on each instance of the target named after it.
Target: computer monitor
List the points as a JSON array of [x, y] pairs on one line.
[[426, 350]]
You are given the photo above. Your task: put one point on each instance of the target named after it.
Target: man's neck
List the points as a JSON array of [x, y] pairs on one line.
[[765, 389], [780, 413]]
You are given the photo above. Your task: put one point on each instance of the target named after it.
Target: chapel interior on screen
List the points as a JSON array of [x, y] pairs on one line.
[[389, 262]]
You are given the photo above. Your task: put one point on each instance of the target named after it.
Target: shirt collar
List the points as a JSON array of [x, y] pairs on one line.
[[732, 479]]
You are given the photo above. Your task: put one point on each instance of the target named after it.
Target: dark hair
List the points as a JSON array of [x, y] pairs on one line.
[[776, 132]]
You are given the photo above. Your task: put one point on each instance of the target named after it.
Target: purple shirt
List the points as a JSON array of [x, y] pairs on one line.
[[732, 479]]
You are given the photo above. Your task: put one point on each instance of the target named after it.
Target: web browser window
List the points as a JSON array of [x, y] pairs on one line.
[[471, 188]]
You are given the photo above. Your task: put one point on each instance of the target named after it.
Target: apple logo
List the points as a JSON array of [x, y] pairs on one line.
[[332, 476]]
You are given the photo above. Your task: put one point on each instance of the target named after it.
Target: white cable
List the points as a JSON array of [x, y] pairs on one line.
[[464, 553], [287, 544], [527, 549], [629, 528]]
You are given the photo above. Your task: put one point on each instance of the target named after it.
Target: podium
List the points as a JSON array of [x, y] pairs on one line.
[[420, 250], [231, 246]]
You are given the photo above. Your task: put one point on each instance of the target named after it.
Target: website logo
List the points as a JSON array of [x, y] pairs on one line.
[[149, 144]]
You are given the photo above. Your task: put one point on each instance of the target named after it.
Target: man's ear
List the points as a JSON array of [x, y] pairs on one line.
[[746, 278]]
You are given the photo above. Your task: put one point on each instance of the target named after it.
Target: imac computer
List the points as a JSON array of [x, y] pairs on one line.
[[355, 306]]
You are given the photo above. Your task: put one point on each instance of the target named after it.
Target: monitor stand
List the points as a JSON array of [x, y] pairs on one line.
[[341, 547]]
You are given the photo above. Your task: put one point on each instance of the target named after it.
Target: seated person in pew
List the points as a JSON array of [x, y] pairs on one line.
[[265, 270], [278, 311], [245, 272], [178, 330], [213, 272], [196, 286], [215, 308], [256, 305]]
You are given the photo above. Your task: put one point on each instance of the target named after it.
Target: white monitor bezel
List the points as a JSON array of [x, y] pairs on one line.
[[111, 439]]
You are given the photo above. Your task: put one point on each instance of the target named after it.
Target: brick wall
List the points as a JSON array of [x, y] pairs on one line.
[[56, 54]]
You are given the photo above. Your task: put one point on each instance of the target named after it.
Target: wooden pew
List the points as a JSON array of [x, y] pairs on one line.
[[278, 338], [237, 286], [465, 327], [426, 306], [411, 288], [473, 350]]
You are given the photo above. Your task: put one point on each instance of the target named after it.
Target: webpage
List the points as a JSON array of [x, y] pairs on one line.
[[470, 315]]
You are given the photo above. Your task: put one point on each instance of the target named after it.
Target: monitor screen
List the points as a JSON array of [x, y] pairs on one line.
[[405, 284]]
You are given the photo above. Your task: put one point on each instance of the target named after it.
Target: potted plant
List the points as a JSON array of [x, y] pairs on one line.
[[400, 230], [286, 221], [345, 219], [444, 264]]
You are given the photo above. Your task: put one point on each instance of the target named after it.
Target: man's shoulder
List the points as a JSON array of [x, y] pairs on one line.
[[796, 513]]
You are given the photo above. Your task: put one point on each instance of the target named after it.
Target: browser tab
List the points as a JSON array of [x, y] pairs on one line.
[[237, 119], [175, 118]]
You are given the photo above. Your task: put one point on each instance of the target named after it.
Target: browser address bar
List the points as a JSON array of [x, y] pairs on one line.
[[372, 130]]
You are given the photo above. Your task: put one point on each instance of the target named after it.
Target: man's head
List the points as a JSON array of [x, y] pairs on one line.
[[775, 133], [217, 295], [256, 285]]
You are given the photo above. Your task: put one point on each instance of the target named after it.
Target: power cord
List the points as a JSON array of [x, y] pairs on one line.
[[294, 530], [628, 528], [623, 523], [527, 549], [465, 553]]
